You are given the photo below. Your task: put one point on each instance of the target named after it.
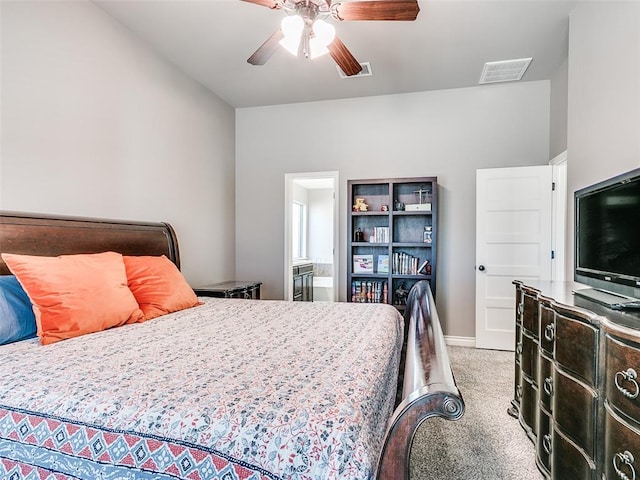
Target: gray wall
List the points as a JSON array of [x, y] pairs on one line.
[[559, 106], [603, 134], [448, 133], [95, 124]]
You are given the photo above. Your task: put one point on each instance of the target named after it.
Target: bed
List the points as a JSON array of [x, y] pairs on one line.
[[225, 389]]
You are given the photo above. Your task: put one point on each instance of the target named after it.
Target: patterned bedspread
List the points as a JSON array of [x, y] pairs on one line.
[[232, 389]]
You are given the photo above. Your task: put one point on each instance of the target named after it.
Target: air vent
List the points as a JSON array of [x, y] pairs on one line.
[[504, 71], [365, 72]]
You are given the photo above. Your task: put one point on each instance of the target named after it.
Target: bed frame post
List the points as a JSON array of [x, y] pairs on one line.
[[429, 388]]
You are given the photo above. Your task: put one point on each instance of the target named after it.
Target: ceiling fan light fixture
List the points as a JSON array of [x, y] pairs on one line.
[[324, 32], [323, 35], [324, 40], [291, 27], [291, 44]]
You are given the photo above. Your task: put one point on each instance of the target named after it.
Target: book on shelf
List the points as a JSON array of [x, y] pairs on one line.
[[379, 235], [369, 291], [383, 263], [363, 264], [405, 264], [423, 267]]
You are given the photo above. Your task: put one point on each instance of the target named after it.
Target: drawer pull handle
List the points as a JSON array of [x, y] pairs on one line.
[[519, 348], [518, 392], [548, 386], [624, 460], [546, 444], [520, 309], [629, 376], [550, 332]]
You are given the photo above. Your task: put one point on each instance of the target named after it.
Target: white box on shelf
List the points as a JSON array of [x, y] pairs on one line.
[[418, 207]]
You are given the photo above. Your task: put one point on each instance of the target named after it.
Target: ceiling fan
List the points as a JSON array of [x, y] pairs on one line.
[[305, 31]]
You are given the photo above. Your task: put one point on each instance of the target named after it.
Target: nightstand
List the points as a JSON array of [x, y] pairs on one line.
[[230, 289]]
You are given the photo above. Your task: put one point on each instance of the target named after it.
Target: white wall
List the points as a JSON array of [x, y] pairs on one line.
[[95, 124], [300, 194], [321, 224], [558, 114], [603, 135], [448, 133]]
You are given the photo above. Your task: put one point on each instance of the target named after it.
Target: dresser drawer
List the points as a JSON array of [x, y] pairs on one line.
[[543, 442], [529, 357], [574, 411], [530, 313], [547, 334], [545, 382], [621, 377], [568, 462], [576, 347], [621, 448], [518, 302], [528, 406], [517, 388]]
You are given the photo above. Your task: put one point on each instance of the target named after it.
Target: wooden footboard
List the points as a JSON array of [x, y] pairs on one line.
[[429, 389]]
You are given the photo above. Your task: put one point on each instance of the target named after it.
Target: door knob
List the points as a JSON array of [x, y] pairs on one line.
[[481, 268]]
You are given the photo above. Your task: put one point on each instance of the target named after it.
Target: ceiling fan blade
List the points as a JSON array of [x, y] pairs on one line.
[[377, 10], [343, 57], [268, 48], [266, 3]]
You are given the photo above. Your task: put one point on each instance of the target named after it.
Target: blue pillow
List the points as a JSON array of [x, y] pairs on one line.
[[17, 321]]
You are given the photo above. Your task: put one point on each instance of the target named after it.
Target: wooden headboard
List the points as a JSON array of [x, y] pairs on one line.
[[48, 235]]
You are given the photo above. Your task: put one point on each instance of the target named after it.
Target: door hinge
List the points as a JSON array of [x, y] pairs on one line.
[[553, 254], [553, 186]]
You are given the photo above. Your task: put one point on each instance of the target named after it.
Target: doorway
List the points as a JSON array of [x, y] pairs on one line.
[[311, 231]]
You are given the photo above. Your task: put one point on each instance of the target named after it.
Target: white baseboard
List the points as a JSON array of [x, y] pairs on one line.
[[460, 341]]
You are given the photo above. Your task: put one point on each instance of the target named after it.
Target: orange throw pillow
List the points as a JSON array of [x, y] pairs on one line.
[[158, 286], [75, 294]]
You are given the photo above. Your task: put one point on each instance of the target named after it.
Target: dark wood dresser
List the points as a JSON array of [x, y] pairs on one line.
[[576, 387]]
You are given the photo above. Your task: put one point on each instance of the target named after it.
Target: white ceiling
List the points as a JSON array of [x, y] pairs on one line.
[[446, 47]]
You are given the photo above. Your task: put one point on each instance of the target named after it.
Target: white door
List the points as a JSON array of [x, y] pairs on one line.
[[513, 241]]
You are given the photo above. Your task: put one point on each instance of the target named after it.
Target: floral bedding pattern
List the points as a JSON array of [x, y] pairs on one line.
[[231, 389]]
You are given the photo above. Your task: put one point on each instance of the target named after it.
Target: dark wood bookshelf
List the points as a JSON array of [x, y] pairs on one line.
[[405, 230]]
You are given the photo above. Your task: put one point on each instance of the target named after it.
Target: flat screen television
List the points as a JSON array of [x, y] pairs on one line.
[[607, 240]]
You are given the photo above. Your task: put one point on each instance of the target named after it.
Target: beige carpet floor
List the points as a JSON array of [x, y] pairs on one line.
[[486, 443]]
